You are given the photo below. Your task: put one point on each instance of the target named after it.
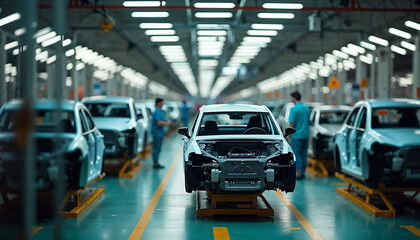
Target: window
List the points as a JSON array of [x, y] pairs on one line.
[[332, 117], [361, 123], [396, 117], [230, 123], [352, 118], [139, 111], [85, 127], [89, 121], [109, 109], [195, 122]]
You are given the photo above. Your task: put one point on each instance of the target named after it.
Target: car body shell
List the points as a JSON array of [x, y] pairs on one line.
[[116, 143], [363, 151], [82, 150], [321, 135], [192, 148]]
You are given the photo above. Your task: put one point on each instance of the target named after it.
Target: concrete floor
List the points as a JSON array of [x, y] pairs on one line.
[[127, 209]]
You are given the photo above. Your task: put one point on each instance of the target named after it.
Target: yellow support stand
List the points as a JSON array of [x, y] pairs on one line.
[[210, 204], [81, 199], [130, 168], [365, 201], [316, 168]]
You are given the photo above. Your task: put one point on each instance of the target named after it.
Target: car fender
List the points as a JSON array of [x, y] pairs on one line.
[[79, 143]]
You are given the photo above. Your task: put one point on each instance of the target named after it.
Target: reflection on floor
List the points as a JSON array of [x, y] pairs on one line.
[[118, 214]]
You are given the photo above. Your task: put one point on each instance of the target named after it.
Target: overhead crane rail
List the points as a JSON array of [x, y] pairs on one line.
[[369, 198], [210, 204]]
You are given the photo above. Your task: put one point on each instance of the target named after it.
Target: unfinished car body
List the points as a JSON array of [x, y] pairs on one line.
[[237, 148], [380, 141], [79, 144]]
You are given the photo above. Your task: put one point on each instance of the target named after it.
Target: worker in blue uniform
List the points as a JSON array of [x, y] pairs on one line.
[[299, 119], [158, 122], [185, 112]]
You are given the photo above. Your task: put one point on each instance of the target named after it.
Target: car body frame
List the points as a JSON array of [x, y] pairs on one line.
[[260, 161]]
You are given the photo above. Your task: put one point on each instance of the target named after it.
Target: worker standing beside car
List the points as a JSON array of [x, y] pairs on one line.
[[158, 122], [299, 119]]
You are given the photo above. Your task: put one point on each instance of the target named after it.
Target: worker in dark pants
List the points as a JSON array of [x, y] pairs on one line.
[[185, 112], [158, 122], [299, 119]]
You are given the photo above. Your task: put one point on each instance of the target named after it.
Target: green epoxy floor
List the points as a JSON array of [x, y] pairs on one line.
[[116, 213]]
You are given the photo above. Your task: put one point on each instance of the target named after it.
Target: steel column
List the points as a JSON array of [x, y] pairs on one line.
[[342, 79], [319, 82], [3, 61], [89, 81], [372, 78], [416, 68], [361, 72], [50, 80], [384, 73]]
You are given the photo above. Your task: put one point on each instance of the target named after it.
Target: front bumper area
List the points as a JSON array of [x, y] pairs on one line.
[[405, 163]]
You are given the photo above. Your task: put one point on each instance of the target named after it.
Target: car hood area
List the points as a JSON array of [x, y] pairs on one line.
[[401, 137], [328, 129], [114, 123]]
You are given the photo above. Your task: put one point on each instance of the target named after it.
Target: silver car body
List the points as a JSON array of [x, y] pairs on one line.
[[374, 153], [321, 133], [240, 172], [116, 144], [146, 121], [83, 148]]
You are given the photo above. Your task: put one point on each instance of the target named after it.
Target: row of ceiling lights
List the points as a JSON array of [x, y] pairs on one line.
[[340, 59]]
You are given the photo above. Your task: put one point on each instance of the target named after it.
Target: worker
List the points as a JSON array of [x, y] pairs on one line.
[[185, 111], [158, 122], [299, 119]]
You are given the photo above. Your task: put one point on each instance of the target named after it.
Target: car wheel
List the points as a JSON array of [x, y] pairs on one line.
[[290, 181], [74, 170], [188, 179], [337, 160], [375, 170], [133, 152]]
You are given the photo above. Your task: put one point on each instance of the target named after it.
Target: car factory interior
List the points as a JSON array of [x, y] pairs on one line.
[[209, 119]]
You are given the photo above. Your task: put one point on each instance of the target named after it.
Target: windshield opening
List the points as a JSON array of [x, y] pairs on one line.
[[395, 118], [237, 123], [121, 110], [330, 117], [43, 122]]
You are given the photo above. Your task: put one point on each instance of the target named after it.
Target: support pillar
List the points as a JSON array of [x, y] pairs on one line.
[[319, 82], [89, 81], [3, 61], [342, 79], [361, 72], [50, 80], [416, 68], [372, 78], [384, 73]]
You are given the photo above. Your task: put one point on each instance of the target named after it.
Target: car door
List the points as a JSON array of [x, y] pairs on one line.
[[312, 130], [93, 139], [347, 135], [356, 137], [139, 127]]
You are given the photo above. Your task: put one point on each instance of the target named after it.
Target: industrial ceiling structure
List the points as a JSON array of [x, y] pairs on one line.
[[211, 49]]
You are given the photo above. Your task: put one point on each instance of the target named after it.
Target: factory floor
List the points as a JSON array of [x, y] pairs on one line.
[[154, 205]]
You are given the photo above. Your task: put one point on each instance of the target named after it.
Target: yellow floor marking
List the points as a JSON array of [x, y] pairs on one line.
[[412, 229], [36, 230], [141, 225], [294, 228], [302, 220], [221, 233]]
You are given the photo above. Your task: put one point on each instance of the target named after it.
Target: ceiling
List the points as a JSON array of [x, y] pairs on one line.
[[127, 44]]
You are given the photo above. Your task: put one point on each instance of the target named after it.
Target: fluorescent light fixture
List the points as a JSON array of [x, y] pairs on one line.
[[9, 19], [408, 45], [254, 44], [150, 14], [365, 59], [413, 25], [212, 26], [143, 3], [340, 54], [164, 39], [51, 41], [378, 40], [267, 26], [276, 15], [398, 50], [16, 51], [211, 33], [350, 51], [367, 45], [213, 14], [155, 25], [11, 45], [69, 53], [262, 32], [46, 37], [66, 42], [20, 32], [51, 59], [214, 5], [160, 32], [356, 48], [282, 5], [399, 33], [208, 63], [257, 39]]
